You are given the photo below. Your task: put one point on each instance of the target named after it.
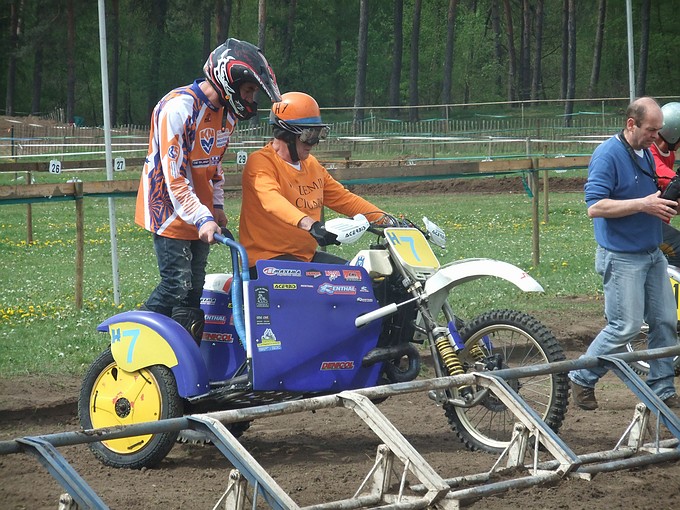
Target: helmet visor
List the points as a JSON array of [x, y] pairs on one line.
[[313, 135]]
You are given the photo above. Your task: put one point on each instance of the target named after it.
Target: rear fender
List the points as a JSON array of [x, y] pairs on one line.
[[140, 339], [438, 286]]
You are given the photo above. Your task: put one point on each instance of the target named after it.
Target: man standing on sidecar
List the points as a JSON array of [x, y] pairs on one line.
[[285, 189], [180, 198]]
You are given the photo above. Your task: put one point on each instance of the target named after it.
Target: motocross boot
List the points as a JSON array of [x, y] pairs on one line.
[[191, 319]]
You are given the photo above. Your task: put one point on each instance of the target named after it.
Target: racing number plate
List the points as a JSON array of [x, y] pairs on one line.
[[412, 248]]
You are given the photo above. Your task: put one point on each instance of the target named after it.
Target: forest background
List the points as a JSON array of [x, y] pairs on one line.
[[357, 54]]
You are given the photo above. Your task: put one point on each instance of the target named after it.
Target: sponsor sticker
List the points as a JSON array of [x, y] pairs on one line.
[[351, 275], [285, 286], [200, 162], [218, 337], [223, 138], [263, 320], [268, 341], [211, 318], [276, 271], [331, 289], [261, 297], [337, 365], [332, 274], [313, 273]]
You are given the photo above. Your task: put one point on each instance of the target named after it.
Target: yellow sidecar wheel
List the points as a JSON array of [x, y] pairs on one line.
[[111, 397]]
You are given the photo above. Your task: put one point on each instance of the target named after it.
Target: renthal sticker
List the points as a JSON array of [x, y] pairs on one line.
[[268, 341], [207, 137], [337, 365], [312, 273], [208, 300], [364, 300], [351, 275], [330, 289], [261, 297], [215, 319], [173, 152], [219, 337], [263, 320], [275, 271], [332, 274], [285, 286]]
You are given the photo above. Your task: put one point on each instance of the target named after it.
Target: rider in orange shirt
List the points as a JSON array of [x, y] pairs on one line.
[[285, 189]]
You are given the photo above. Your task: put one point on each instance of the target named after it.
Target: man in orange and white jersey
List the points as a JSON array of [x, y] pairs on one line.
[[180, 198]]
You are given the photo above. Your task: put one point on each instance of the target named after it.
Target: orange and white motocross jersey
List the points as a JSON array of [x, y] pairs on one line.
[[182, 177]]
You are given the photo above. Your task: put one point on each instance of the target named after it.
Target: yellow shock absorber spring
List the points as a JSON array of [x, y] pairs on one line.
[[448, 355], [476, 353]]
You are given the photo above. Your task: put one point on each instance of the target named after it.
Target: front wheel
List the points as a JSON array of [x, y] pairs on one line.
[[641, 367], [508, 339], [110, 396]]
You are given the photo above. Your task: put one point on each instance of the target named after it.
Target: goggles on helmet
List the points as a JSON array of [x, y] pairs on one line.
[[313, 135]]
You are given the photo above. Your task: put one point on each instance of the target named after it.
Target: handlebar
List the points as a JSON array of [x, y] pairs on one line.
[[387, 220], [239, 260]]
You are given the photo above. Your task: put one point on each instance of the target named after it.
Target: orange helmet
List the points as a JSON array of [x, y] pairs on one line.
[[298, 113]]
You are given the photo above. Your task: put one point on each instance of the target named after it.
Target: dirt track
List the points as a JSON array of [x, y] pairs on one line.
[[324, 456]]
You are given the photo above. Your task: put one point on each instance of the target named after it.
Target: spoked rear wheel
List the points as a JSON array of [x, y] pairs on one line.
[[110, 396], [508, 339]]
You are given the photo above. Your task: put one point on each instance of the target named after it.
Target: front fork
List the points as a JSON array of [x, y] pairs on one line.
[[447, 344]]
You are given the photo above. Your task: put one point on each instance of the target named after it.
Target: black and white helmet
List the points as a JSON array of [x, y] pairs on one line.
[[236, 62]]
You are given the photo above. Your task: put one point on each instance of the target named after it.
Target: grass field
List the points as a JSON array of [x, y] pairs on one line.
[[41, 331]]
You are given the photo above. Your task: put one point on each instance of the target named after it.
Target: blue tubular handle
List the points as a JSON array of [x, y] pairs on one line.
[[241, 274]]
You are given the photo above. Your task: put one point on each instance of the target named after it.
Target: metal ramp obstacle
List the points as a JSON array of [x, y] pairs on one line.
[[417, 485]]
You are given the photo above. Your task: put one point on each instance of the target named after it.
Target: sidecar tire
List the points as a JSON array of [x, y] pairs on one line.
[[109, 396]]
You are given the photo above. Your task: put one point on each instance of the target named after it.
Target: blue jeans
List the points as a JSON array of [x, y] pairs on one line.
[[182, 268], [636, 289]]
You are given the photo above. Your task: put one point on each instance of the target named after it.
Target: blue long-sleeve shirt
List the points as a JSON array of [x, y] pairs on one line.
[[613, 174]]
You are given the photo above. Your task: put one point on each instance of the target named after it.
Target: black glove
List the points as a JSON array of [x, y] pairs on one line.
[[322, 236], [227, 233]]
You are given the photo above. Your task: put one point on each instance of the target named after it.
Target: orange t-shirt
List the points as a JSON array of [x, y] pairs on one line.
[[276, 196]]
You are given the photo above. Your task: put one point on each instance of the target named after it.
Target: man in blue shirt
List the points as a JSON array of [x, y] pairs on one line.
[[622, 195]]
